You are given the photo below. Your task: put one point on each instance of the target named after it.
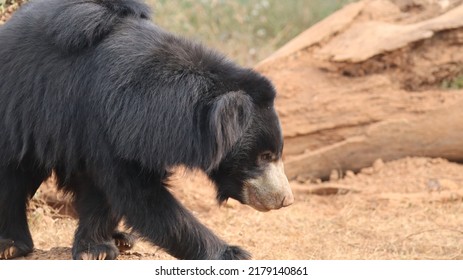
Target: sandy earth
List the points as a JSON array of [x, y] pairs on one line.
[[406, 209], [411, 208]]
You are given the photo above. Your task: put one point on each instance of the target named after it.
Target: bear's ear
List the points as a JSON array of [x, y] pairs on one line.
[[230, 115]]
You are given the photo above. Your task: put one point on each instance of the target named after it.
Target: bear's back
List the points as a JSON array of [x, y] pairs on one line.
[[72, 25], [44, 72]]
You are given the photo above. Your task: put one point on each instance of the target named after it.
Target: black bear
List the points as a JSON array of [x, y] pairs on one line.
[[97, 93]]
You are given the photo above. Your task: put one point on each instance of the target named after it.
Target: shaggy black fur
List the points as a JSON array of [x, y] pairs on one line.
[[95, 91]]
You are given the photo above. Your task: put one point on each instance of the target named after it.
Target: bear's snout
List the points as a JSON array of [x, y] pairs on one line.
[[269, 191]]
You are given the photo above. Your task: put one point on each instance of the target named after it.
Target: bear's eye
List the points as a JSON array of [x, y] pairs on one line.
[[266, 157]]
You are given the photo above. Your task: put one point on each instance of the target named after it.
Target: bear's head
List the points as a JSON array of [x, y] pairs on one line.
[[249, 145]]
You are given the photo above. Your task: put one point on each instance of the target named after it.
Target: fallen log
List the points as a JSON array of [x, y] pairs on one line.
[[366, 83]]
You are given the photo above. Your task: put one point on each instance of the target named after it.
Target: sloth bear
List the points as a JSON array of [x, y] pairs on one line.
[[95, 92]]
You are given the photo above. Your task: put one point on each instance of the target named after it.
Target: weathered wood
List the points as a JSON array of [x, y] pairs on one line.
[[364, 40], [436, 134], [369, 88]]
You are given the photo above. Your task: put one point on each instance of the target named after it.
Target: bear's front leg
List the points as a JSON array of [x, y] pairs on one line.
[[184, 237], [151, 210], [172, 227]]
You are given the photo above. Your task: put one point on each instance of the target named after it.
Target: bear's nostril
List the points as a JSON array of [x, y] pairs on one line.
[[287, 201]]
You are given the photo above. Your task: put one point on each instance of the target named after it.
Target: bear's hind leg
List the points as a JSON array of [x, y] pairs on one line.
[[96, 237], [124, 241], [18, 183]]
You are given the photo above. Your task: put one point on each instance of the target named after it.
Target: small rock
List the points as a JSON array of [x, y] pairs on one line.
[[334, 176], [367, 171], [433, 185], [437, 160], [301, 179], [378, 165], [350, 174], [231, 204]]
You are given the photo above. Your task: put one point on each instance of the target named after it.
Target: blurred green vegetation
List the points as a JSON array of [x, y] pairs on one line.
[[245, 30], [2, 5], [455, 83], [5, 3]]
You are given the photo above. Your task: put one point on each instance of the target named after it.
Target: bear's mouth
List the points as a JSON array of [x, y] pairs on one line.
[[252, 200]]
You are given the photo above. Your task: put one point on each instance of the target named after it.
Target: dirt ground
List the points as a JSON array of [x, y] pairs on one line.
[[410, 208], [406, 209]]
